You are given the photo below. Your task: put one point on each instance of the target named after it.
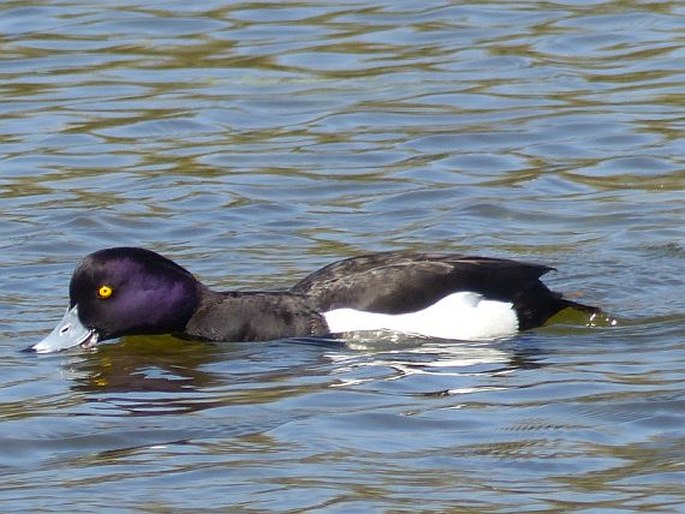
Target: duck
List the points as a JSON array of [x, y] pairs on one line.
[[123, 291]]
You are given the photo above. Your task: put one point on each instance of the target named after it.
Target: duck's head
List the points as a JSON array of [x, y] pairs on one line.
[[123, 291]]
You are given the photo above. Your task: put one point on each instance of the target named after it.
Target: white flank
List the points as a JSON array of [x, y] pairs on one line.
[[463, 316]]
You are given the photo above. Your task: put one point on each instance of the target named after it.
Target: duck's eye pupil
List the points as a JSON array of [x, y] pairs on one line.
[[105, 292]]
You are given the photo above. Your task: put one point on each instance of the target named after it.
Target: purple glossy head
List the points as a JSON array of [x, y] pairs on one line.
[[128, 291]]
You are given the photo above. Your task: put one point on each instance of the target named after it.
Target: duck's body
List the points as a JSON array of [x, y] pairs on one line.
[[128, 291]]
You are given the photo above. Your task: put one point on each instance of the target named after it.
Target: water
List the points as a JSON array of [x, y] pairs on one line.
[[256, 142]]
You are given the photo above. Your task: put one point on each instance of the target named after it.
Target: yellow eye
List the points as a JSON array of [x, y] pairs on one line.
[[105, 292]]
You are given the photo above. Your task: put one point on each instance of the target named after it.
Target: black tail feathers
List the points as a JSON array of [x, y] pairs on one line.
[[537, 304]]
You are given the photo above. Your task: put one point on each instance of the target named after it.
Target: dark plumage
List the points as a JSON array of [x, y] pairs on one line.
[[397, 282], [127, 291]]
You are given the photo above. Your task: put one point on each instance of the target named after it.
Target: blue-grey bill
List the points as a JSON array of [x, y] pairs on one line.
[[68, 332]]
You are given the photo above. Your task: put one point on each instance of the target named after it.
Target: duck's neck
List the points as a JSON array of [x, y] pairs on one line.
[[254, 316]]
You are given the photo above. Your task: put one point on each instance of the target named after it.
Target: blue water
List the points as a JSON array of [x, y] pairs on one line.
[[253, 143]]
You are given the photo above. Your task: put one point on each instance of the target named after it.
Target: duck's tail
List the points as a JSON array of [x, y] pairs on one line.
[[536, 305]]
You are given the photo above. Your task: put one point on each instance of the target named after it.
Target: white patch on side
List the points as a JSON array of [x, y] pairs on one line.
[[463, 316]]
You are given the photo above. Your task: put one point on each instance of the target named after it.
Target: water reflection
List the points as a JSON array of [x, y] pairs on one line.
[[161, 363], [147, 376], [164, 375]]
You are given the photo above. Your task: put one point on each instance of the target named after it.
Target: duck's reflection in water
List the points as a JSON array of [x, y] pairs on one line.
[[161, 374], [148, 375]]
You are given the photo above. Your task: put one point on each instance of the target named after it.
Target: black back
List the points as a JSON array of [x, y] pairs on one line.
[[400, 282]]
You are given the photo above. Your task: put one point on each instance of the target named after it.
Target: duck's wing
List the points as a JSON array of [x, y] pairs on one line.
[[400, 282]]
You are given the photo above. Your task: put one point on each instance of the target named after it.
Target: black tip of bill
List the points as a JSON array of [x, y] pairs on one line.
[[69, 332]]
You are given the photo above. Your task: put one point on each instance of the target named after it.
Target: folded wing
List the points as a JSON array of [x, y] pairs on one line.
[[401, 282]]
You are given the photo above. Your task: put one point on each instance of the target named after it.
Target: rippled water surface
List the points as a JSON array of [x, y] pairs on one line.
[[254, 142]]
